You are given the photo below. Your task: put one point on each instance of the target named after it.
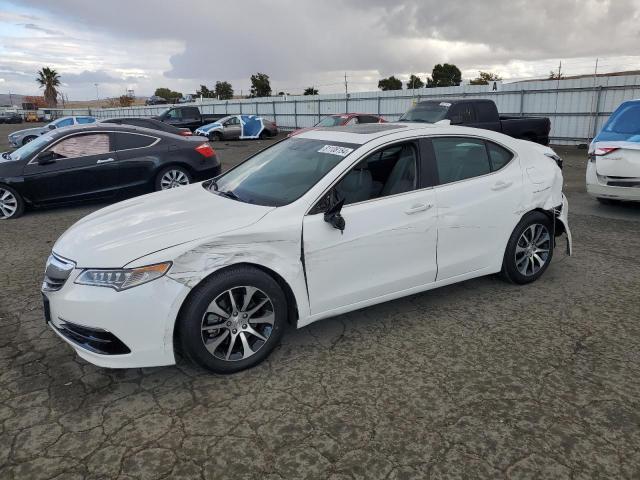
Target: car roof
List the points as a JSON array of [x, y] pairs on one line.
[[111, 127], [364, 133], [453, 100]]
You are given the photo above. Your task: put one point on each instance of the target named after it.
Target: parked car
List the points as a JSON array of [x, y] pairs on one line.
[[22, 137], [10, 117], [155, 100], [239, 127], [314, 226], [187, 117], [100, 161], [31, 116], [149, 123], [613, 170], [340, 120], [479, 113]]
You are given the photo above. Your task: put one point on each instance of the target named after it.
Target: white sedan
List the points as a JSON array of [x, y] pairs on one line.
[[613, 171], [317, 225]]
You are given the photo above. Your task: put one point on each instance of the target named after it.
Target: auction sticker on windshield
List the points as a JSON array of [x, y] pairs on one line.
[[445, 104], [335, 150]]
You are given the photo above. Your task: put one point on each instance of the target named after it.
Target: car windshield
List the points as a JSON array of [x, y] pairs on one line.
[[624, 124], [427, 112], [282, 173], [31, 147], [332, 121]]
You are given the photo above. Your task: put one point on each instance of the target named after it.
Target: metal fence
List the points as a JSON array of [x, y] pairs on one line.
[[577, 107]]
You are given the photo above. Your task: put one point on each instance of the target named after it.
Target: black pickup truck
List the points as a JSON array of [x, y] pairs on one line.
[[479, 113], [187, 117]]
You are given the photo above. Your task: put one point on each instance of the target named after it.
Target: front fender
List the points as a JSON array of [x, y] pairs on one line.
[[564, 219]]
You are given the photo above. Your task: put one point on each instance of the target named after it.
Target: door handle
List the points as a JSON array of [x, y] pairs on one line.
[[419, 207], [105, 160], [501, 185]]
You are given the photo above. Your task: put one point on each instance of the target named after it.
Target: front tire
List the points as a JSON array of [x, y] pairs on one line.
[[172, 177], [28, 139], [529, 250], [11, 203], [215, 137], [233, 320]]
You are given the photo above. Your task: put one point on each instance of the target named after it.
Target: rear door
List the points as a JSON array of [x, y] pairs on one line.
[[487, 116], [478, 197], [462, 113], [190, 117], [139, 158], [82, 166]]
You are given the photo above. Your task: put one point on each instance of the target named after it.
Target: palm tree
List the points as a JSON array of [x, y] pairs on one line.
[[49, 79]]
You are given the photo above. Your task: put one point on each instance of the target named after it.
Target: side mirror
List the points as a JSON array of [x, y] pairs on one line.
[[51, 126], [46, 157], [333, 217]]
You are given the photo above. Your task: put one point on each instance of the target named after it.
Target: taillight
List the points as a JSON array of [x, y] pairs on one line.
[[205, 150], [601, 151]]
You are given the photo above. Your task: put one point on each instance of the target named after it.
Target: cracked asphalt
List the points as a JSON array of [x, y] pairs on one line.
[[478, 380]]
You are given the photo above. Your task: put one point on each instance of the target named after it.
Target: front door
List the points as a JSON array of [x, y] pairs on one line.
[[231, 129], [389, 241], [77, 167], [478, 198]]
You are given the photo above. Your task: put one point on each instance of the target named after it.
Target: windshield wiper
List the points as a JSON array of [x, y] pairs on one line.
[[229, 194]]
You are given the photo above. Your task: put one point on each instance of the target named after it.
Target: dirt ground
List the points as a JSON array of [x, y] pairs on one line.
[[478, 380]]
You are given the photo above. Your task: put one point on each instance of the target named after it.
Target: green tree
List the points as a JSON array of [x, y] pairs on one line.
[[168, 94], [391, 83], [310, 91], [224, 90], [205, 92], [485, 78], [414, 82], [553, 75], [445, 75], [260, 86], [49, 79]]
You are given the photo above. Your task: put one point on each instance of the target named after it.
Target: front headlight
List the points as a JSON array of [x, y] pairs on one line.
[[122, 278]]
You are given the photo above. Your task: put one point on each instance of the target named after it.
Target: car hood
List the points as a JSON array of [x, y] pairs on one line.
[[34, 130], [125, 231]]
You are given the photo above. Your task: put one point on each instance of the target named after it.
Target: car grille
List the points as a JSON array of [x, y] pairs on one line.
[[56, 273]]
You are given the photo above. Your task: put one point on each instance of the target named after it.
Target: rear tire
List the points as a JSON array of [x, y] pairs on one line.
[[172, 177], [263, 135], [233, 320], [11, 203], [529, 250]]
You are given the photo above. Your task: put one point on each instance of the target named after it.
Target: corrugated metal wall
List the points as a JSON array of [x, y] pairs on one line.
[[577, 107]]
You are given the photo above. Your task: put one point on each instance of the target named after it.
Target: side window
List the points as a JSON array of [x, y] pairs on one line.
[[486, 112], [367, 119], [459, 158], [67, 122], [499, 156], [84, 120], [126, 141], [174, 114], [352, 121], [386, 172], [82, 146], [190, 112]]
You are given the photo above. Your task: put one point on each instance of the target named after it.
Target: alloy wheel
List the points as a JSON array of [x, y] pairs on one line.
[[532, 249], [173, 179], [8, 204], [238, 323]]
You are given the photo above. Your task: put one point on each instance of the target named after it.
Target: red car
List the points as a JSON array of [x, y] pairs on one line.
[[341, 119]]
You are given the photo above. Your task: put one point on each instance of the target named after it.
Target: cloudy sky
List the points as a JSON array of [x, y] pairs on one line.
[[181, 44]]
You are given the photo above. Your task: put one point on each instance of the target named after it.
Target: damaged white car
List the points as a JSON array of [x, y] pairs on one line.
[[317, 225]]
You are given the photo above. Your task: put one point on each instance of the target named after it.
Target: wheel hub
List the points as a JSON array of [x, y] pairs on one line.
[[532, 249]]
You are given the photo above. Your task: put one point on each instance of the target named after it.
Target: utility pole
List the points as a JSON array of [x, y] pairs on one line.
[[346, 85], [97, 95]]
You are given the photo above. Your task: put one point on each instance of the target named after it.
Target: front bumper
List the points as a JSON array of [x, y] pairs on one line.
[[564, 219], [596, 187], [128, 329]]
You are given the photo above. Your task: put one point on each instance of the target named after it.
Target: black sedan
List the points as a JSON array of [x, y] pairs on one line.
[[97, 162], [149, 123]]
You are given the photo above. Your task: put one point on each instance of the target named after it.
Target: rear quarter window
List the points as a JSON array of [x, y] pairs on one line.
[[127, 141], [499, 156]]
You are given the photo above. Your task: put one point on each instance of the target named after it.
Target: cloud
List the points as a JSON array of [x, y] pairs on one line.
[[38, 28], [313, 43]]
